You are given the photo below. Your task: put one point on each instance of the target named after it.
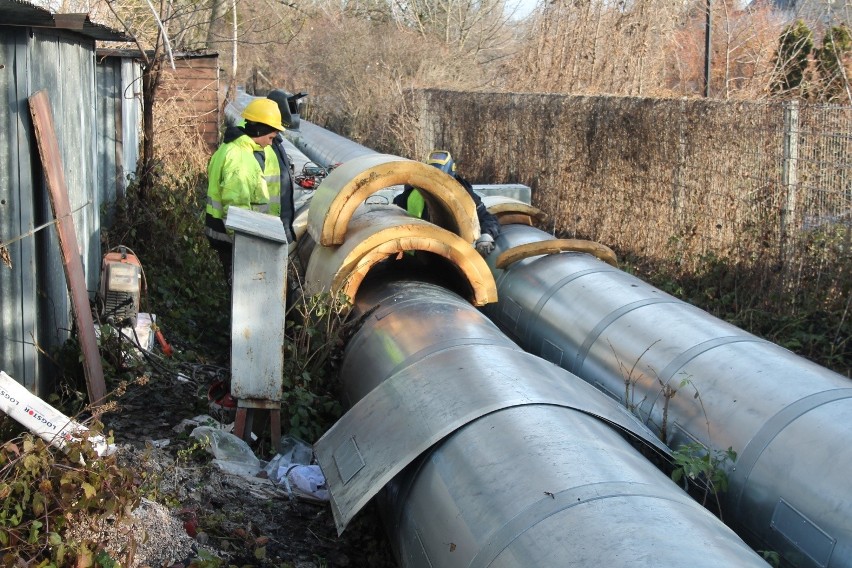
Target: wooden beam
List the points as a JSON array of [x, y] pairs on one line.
[[48, 147]]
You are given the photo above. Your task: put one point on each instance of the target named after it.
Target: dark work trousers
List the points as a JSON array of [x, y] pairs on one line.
[[226, 257]]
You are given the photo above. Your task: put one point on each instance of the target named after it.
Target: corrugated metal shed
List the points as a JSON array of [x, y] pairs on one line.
[[39, 50], [20, 13], [119, 87]]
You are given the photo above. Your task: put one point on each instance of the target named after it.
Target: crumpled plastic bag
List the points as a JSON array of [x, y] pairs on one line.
[[233, 454], [292, 469], [308, 479]]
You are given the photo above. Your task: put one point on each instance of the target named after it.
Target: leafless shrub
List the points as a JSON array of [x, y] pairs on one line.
[[676, 181]]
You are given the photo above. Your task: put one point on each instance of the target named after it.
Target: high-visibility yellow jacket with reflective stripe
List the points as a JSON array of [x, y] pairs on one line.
[[272, 175], [235, 179]]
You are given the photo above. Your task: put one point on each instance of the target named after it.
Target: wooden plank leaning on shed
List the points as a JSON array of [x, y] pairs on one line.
[[48, 148]]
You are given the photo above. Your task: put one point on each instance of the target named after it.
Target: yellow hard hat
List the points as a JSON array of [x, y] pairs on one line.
[[264, 111]]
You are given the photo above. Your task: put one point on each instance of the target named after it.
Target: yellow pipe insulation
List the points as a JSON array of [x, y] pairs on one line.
[[349, 185], [352, 236], [511, 211], [381, 232], [528, 250]]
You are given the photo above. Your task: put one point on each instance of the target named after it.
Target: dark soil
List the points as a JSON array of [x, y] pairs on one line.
[[238, 520]]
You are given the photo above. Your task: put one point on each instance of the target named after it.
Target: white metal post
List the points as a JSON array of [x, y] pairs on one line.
[[258, 305]]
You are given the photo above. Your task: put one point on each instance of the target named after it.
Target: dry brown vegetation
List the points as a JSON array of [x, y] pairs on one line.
[[359, 58], [712, 194], [622, 148]]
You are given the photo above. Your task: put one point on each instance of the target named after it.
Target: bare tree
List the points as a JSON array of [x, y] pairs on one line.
[[171, 26], [743, 49], [585, 46], [645, 48], [478, 27], [218, 11]]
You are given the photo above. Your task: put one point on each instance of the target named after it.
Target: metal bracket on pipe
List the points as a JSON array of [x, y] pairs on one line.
[[412, 410]]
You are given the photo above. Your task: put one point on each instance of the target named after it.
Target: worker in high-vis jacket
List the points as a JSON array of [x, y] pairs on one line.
[[288, 209], [244, 172], [412, 201]]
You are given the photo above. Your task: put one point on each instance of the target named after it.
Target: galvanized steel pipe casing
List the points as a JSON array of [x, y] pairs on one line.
[[486, 456], [527, 468], [787, 418], [325, 147]]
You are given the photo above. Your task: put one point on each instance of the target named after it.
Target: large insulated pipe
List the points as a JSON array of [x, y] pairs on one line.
[[349, 186], [693, 378], [485, 455], [339, 211], [327, 148], [381, 231]]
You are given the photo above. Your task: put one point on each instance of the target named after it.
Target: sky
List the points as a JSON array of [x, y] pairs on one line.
[[523, 8]]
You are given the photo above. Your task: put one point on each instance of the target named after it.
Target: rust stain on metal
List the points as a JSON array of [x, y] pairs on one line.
[[48, 147]]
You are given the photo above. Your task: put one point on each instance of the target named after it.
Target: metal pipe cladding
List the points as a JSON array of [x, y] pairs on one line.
[[481, 454], [488, 456], [695, 379]]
